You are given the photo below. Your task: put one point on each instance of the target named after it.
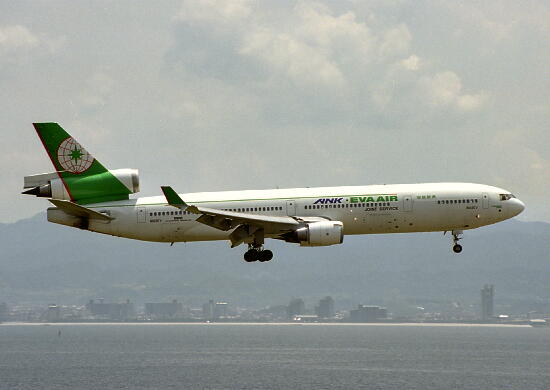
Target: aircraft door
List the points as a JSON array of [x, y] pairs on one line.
[[291, 208], [141, 214], [407, 203], [485, 200]]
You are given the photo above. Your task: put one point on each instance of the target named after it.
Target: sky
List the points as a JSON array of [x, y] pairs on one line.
[[213, 95]]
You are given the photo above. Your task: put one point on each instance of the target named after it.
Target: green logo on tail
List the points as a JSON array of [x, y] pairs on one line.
[[73, 157]]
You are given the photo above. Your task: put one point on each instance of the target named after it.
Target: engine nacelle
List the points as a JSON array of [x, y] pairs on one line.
[[128, 177], [321, 233]]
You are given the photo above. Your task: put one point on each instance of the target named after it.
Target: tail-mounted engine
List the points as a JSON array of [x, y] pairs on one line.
[[321, 233], [50, 185]]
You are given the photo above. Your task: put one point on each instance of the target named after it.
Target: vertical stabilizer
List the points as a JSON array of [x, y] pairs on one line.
[[85, 179]]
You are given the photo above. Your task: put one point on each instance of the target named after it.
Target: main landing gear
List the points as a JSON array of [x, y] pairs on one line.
[[257, 254]]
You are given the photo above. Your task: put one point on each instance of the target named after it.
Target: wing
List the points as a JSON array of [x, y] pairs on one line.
[[245, 225]]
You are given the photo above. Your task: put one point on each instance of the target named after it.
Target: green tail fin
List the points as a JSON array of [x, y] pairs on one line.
[[85, 178]]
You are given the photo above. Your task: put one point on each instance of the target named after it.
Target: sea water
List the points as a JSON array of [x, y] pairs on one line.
[[273, 356]]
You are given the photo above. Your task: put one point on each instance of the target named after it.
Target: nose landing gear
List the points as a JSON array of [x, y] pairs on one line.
[[457, 248]]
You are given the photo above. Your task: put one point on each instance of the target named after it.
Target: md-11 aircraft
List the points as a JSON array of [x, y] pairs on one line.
[[88, 196]]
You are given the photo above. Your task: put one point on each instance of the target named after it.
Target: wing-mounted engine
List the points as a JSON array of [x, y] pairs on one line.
[[50, 185], [322, 233]]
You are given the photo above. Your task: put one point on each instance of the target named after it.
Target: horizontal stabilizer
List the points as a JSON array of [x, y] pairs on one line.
[[79, 211]]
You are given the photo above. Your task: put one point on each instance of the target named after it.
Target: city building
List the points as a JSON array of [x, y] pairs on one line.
[[368, 314], [215, 310], [325, 309], [221, 310], [296, 307], [164, 310], [487, 302], [53, 313], [111, 311], [208, 310]]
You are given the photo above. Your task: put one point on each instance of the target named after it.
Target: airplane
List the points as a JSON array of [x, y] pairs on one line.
[[88, 196]]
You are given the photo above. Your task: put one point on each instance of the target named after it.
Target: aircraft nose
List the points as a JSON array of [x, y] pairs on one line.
[[516, 206]]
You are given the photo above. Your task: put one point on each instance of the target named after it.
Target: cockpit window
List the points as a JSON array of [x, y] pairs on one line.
[[506, 196]]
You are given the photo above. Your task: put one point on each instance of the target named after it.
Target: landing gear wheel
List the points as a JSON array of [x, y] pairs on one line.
[[251, 255], [265, 255], [457, 248]]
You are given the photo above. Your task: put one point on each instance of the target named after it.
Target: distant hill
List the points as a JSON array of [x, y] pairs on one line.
[[42, 262]]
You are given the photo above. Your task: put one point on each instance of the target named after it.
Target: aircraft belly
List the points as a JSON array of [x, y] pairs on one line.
[[191, 231]]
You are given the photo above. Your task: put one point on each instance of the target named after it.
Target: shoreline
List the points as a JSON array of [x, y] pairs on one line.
[[371, 324]]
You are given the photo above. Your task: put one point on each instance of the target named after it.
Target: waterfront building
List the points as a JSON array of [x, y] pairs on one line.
[[296, 307], [111, 311], [368, 314], [53, 313], [164, 310], [325, 309], [208, 310], [487, 302], [221, 310], [3, 311]]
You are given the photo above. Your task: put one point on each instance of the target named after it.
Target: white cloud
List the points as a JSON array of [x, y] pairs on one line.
[[411, 63], [339, 35], [217, 11], [351, 80], [18, 43], [472, 102], [98, 89], [17, 37], [396, 41], [444, 89], [300, 62]]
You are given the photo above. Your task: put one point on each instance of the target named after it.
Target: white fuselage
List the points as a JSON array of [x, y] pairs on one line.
[[399, 208]]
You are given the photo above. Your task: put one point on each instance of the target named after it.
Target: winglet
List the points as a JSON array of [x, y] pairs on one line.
[[173, 198]]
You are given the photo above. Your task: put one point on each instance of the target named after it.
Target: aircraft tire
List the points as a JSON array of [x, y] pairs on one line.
[[265, 255], [457, 248], [251, 255]]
